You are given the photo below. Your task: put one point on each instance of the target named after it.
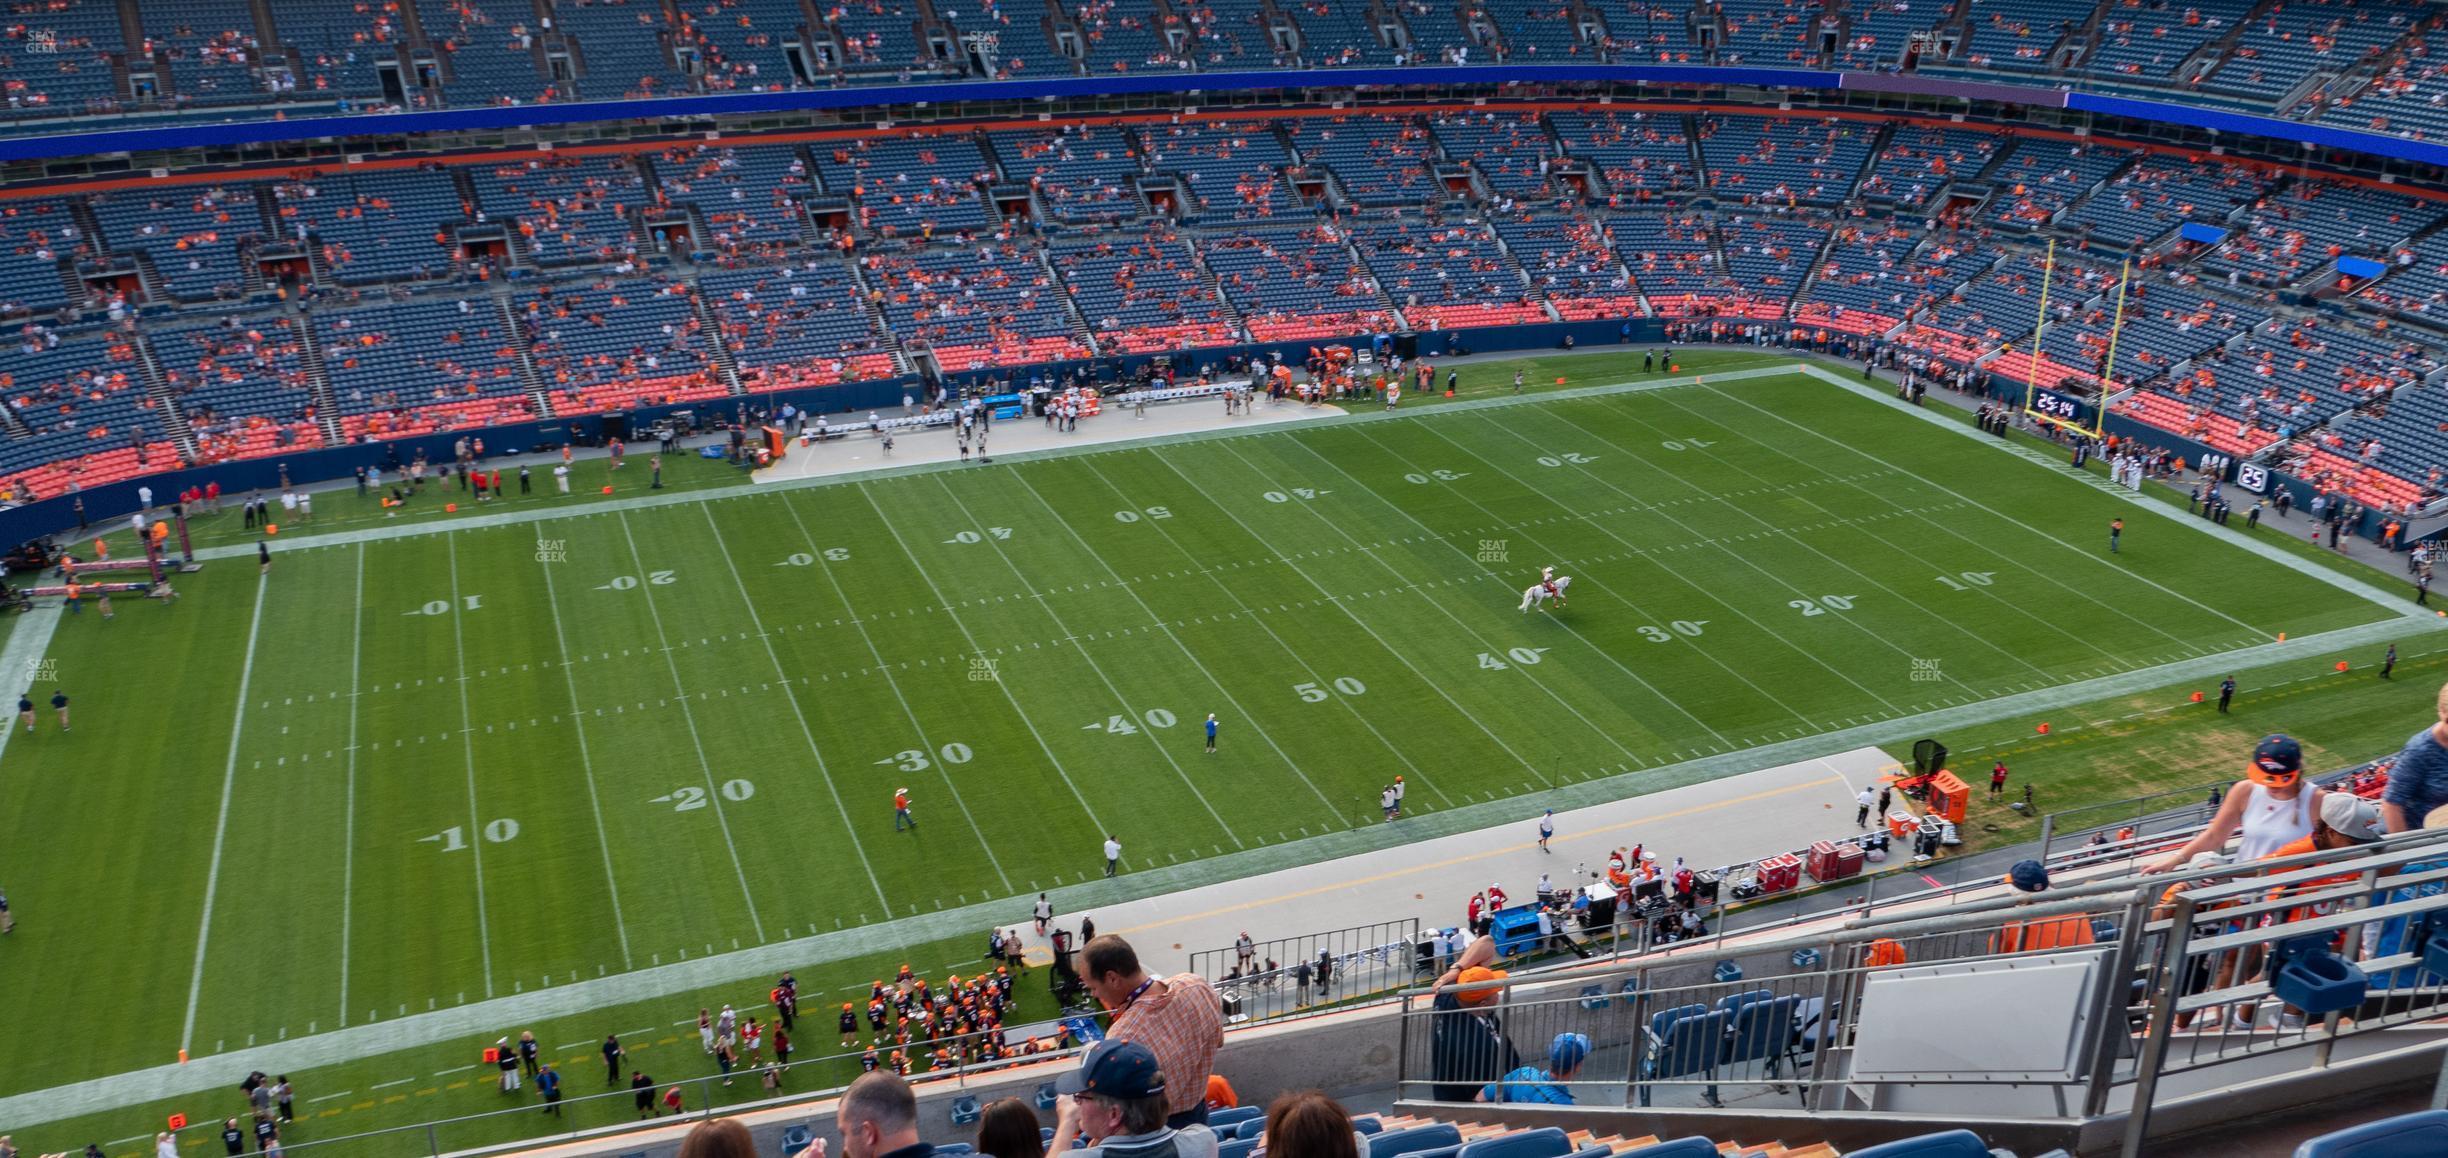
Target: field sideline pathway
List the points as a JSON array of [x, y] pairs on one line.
[[21, 660], [1026, 443]]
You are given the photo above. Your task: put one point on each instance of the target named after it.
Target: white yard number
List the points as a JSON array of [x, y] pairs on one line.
[[974, 537], [454, 838], [1122, 726], [1524, 656], [1436, 475], [913, 760], [1688, 443], [1972, 578], [1560, 459], [1312, 693], [1655, 634], [443, 607], [689, 797], [1297, 493], [629, 582], [803, 559], [1822, 605], [1152, 512]]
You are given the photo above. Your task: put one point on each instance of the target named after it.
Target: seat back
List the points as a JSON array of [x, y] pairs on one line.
[[2415, 1135], [1236, 1147], [1411, 1141], [1949, 1144], [795, 1139], [1544, 1142], [1692, 1147], [1371, 1124], [1218, 1119], [966, 1110], [1762, 1029], [1247, 1129], [1688, 1042]]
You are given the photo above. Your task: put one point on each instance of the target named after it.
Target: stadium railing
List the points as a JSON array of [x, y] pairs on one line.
[[1857, 1019], [1368, 961]]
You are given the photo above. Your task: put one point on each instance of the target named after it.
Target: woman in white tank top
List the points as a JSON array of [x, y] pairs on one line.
[[2267, 810]]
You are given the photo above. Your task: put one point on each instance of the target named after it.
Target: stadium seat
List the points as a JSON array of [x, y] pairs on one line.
[[1413, 1140], [1544, 1142], [1236, 1148], [1593, 1152], [956, 1148], [1371, 1124], [1046, 1097], [1245, 1128], [1950, 1144], [2418, 1135], [1692, 1147], [1233, 1116], [794, 1139], [966, 1110]]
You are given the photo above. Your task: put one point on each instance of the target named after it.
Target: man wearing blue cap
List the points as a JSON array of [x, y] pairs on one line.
[[1116, 1100], [1533, 1085]]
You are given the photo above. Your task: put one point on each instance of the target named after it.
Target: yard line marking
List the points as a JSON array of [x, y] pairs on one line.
[[1027, 720], [586, 765], [1936, 485], [2042, 575], [823, 771], [1772, 576], [348, 828], [229, 781], [1238, 710], [467, 745], [705, 764], [1609, 532], [388, 1085], [1120, 700], [330, 1097], [1448, 612], [1348, 613]]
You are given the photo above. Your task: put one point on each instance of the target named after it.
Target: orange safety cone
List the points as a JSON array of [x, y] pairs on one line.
[[2044, 728], [607, 488], [450, 508], [182, 1057], [2197, 697], [2341, 665]]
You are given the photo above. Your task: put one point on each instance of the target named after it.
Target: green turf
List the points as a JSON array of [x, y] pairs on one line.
[[478, 763]]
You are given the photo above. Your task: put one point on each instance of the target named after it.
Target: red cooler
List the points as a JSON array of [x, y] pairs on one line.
[[1780, 872]]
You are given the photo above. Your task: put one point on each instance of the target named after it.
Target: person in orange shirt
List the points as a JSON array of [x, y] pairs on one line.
[[901, 810], [2072, 930]]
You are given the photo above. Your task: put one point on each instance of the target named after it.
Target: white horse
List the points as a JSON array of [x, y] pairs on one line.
[[1537, 594]]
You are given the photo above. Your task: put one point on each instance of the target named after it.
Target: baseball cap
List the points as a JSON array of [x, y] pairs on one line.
[[1475, 975], [2277, 761], [1567, 1052], [2352, 816], [2028, 876], [1122, 1070]]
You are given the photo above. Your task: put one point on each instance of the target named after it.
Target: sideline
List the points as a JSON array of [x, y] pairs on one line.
[[23, 655], [779, 486]]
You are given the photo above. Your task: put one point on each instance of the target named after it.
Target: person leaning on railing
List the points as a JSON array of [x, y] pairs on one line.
[[2267, 810]]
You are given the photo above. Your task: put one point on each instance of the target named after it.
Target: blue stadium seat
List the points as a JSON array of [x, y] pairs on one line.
[[1046, 1097], [1248, 1128], [1411, 1141], [956, 1148], [794, 1139], [1684, 1040], [2417, 1135], [1593, 1152], [1950, 1144], [1544, 1142], [1692, 1147], [1454, 1151], [1369, 1125], [966, 1110], [1236, 1147], [1218, 1119]]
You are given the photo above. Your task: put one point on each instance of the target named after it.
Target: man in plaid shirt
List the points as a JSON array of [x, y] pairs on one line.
[[1178, 1018], [1531, 1084]]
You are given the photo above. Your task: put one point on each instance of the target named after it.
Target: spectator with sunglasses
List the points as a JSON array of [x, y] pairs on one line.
[[2269, 809]]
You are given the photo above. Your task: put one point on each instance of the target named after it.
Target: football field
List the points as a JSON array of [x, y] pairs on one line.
[[417, 772]]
